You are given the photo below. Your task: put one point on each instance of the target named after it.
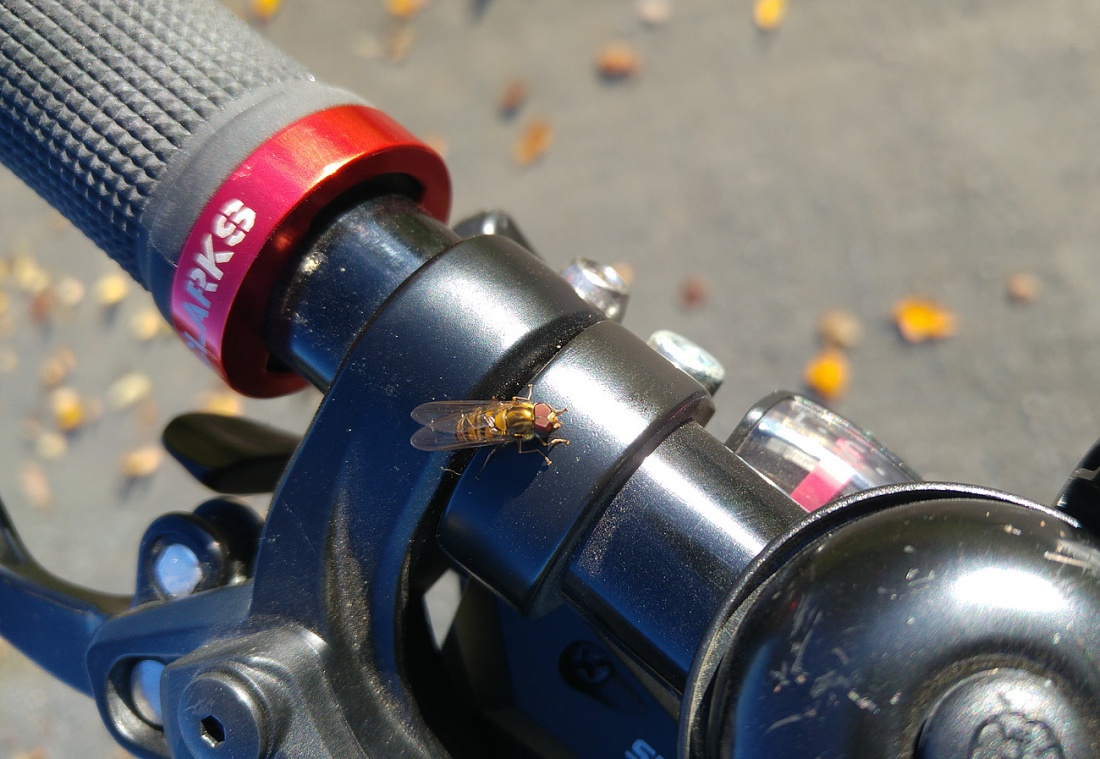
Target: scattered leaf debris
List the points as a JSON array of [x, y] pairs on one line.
[[70, 291], [694, 292], [922, 319], [111, 289], [769, 14], [147, 324], [533, 143], [618, 60], [57, 367], [654, 13], [129, 390], [512, 98], [67, 409], [839, 328], [404, 10], [1023, 287], [28, 275], [51, 446], [827, 373], [36, 486], [399, 42], [264, 10], [142, 462], [224, 402], [42, 304], [34, 753]]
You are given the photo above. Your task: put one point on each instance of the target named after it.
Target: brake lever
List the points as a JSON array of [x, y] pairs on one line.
[[49, 619]]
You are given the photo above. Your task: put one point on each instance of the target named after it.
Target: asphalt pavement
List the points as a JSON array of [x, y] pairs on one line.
[[859, 153]]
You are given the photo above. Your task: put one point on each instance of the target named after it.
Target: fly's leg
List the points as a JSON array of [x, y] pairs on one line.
[[519, 447], [486, 462], [530, 391]]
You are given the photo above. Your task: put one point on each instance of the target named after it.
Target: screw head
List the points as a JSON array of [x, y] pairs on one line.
[[689, 357], [585, 665], [177, 570], [221, 715], [599, 285]]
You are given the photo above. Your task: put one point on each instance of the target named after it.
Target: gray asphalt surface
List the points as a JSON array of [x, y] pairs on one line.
[[862, 152]]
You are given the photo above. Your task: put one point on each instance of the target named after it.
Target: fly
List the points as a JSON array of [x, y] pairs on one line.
[[450, 425]]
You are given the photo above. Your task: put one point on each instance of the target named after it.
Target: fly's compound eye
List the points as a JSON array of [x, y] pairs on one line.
[[546, 419]]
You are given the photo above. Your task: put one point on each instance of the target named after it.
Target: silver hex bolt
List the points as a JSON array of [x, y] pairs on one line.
[[599, 285], [689, 357]]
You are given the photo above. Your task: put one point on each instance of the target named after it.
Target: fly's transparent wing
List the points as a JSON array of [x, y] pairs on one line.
[[442, 419]]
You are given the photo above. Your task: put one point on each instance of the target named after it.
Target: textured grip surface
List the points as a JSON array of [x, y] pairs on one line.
[[97, 95]]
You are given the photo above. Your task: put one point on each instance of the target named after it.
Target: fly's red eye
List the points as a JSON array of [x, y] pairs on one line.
[[545, 418]]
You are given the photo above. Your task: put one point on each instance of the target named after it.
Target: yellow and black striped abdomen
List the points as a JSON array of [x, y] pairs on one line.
[[495, 424]]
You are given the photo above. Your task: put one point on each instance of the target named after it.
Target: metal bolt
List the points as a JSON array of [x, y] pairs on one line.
[[689, 357], [600, 285], [145, 690], [492, 223], [177, 570], [222, 715], [585, 665]]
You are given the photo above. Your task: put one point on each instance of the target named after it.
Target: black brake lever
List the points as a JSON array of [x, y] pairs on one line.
[[49, 619]]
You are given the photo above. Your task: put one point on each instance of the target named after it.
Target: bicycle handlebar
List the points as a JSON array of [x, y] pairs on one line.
[[148, 123]]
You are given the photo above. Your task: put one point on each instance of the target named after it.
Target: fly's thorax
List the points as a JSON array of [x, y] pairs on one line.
[[519, 419]]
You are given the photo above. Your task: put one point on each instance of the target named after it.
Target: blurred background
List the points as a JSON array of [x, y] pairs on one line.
[[755, 165]]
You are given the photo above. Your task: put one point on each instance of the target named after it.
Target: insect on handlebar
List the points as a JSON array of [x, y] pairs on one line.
[[452, 425]]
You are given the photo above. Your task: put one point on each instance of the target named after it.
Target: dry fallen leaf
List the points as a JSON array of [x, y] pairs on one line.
[[405, 9], [42, 304], [128, 390], [224, 402], [142, 462], [70, 291], [34, 753], [51, 446], [1023, 287], [840, 328], [57, 367], [694, 291], [111, 289], [533, 142], [769, 14], [921, 319], [67, 409], [147, 324], [618, 60], [36, 487], [265, 10], [654, 12], [29, 276], [512, 98], [399, 42], [827, 374]]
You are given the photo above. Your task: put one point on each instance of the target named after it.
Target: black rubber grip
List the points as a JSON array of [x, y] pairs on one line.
[[100, 97]]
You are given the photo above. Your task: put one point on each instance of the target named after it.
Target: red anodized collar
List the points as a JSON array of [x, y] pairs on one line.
[[259, 215]]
